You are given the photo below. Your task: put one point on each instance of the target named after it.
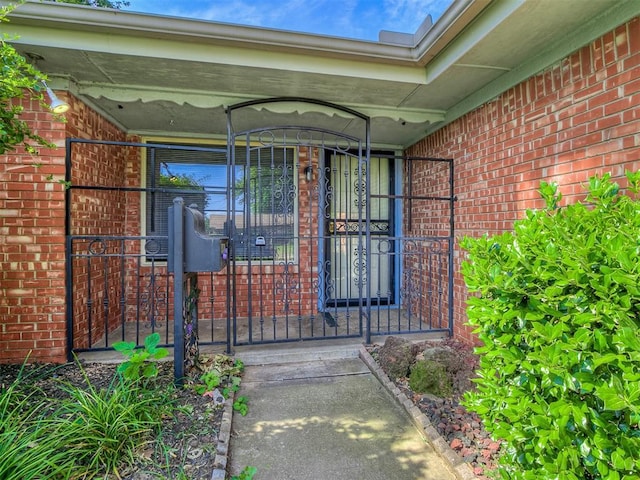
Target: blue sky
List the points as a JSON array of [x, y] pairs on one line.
[[361, 19]]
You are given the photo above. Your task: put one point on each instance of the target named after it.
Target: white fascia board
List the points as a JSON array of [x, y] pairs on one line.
[[215, 54], [141, 25], [452, 22], [138, 26]]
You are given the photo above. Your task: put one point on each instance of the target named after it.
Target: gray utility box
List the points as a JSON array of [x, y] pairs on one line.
[[201, 252]]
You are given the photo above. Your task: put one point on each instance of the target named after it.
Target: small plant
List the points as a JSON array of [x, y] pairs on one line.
[[246, 474], [240, 405], [429, 376], [141, 362], [210, 380], [219, 371], [108, 425], [232, 387]]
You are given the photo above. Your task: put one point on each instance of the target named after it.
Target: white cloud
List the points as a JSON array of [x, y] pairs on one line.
[[409, 14]]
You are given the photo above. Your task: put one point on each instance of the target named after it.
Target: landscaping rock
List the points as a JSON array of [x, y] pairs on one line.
[[462, 430], [457, 361], [396, 357], [429, 376]]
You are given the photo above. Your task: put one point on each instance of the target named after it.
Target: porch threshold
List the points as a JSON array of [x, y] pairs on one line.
[[276, 353]]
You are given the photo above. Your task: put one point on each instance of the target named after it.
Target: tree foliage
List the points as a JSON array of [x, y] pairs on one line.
[[557, 308], [18, 76], [96, 3]]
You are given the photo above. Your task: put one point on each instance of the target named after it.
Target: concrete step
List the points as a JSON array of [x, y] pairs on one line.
[[298, 352]]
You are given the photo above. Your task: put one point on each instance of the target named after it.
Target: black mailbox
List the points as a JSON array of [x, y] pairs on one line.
[[202, 252]]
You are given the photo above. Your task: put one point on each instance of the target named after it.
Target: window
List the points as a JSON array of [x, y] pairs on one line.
[[260, 196]]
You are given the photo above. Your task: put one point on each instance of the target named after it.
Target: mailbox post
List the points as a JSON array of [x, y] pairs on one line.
[[190, 251]]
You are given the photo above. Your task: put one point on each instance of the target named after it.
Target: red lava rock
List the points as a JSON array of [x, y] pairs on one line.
[[466, 451], [486, 453], [494, 446], [462, 430], [456, 444]]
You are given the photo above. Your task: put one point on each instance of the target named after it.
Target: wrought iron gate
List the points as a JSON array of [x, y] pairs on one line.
[[327, 240], [299, 238]]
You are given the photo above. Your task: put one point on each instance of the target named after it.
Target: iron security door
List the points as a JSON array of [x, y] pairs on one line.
[[343, 225]]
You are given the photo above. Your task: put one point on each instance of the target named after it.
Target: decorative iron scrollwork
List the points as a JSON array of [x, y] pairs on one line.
[[153, 301], [286, 287]]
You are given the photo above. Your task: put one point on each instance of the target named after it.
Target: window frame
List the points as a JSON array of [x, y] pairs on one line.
[[239, 212]]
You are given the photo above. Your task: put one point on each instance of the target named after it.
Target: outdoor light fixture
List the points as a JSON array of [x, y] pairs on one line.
[[56, 105], [308, 172]]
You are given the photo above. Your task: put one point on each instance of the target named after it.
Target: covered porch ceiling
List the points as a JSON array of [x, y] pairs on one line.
[[173, 77]]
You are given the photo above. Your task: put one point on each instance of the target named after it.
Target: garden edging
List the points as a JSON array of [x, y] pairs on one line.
[[222, 449], [455, 463]]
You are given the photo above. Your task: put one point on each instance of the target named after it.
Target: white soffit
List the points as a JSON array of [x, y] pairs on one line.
[[134, 66]]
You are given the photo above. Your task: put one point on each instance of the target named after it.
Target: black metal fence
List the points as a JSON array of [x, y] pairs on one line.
[[118, 286]]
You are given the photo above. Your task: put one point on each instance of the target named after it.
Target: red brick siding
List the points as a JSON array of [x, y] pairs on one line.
[[577, 118], [32, 310], [424, 284], [32, 262], [96, 212]]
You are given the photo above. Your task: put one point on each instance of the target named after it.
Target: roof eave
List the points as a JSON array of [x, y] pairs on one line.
[[83, 18]]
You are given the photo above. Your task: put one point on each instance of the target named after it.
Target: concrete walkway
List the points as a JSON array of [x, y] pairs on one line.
[[326, 418]]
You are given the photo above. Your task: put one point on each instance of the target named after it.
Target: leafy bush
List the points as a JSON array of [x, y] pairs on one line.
[[558, 311]]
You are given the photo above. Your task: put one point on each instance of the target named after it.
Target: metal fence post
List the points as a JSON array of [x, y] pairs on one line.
[[178, 290]]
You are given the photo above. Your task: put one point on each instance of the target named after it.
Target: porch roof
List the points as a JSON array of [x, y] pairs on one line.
[[172, 77]]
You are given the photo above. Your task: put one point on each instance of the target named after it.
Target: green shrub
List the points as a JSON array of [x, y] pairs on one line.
[[30, 446], [557, 308], [429, 376], [109, 425]]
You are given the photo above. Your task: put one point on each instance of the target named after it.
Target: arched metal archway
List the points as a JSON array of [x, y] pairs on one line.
[[298, 221]]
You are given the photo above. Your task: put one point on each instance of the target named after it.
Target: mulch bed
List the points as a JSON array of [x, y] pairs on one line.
[[461, 429], [186, 447], [187, 444]]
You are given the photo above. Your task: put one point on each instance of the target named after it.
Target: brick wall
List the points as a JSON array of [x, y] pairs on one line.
[[577, 118], [32, 256], [96, 212], [32, 241]]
